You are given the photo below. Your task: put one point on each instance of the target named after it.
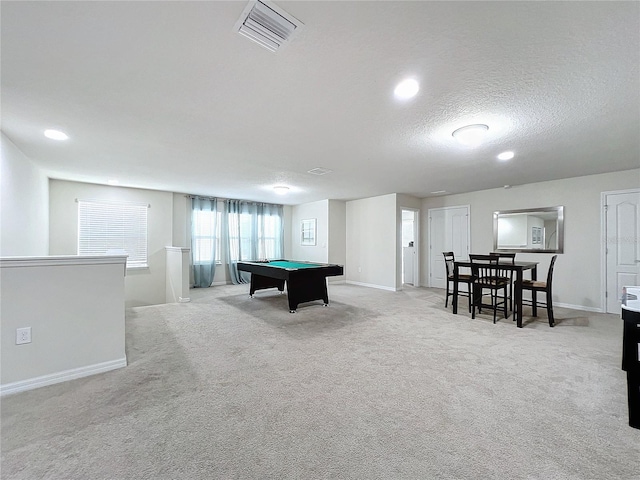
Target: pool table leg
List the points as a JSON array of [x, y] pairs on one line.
[[306, 289], [258, 282]]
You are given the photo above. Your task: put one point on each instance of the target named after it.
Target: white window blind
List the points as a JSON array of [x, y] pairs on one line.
[[105, 227]]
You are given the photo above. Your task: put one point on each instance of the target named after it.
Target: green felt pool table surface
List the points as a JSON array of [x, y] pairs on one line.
[[293, 264]]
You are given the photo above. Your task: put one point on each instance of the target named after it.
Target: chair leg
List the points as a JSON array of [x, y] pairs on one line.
[[511, 292], [504, 306], [494, 303], [473, 292], [446, 298], [469, 292], [550, 309]]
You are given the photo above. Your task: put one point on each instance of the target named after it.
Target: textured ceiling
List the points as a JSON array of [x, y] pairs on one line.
[[165, 95]]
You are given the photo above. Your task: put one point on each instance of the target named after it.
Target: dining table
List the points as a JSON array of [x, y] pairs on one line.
[[519, 269]]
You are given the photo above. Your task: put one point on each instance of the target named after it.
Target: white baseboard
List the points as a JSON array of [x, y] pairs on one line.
[[371, 285], [578, 307], [60, 377], [214, 284]]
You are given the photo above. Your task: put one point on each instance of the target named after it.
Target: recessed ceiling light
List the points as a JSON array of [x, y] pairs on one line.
[[471, 135], [113, 181], [281, 189], [438, 192], [406, 89], [55, 135], [506, 156]]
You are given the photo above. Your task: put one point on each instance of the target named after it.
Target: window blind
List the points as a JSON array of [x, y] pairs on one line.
[[105, 227]]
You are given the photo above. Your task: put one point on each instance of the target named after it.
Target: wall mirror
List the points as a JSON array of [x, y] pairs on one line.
[[534, 230]]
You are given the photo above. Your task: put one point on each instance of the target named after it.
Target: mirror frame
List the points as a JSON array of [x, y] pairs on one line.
[[559, 230]]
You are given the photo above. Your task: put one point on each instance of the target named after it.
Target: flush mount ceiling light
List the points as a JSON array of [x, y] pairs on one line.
[[506, 156], [471, 135], [406, 89], [281, 189], [55, 135], [319, 171]]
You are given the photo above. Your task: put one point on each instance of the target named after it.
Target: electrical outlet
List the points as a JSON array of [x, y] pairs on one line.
[[23, 335]]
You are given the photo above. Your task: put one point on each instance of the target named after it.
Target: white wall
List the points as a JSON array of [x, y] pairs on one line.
[[331, 234], [24, 204], [142, 286], [371, 253], [337, 235], [577, 274], [181, 235], [311, 253], [75, 308]]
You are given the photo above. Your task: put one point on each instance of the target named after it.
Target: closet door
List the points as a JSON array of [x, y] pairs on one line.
[[448, 232]]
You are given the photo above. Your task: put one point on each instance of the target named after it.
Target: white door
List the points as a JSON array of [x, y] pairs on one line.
[[408, 261], [410, 236], [622, 249], [448, 232]]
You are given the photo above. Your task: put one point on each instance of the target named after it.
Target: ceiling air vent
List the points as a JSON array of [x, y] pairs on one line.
[[267, 25], [320, 171]]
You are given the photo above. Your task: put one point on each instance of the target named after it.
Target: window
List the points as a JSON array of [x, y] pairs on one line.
[[269, 233], [107, 227], [204, 235], [254, 237]]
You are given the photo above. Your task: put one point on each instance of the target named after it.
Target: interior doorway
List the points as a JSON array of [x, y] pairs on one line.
[[410, 273], [621, 245]]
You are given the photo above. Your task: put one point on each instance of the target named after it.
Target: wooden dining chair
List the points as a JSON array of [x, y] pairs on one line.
[[485, 274], [535, 286], [449, 258], [507, 274]]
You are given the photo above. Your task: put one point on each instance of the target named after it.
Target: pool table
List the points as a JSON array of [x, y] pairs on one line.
[[306, 281]]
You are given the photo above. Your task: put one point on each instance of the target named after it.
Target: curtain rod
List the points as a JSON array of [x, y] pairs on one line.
[[201, 196], [228, 199]]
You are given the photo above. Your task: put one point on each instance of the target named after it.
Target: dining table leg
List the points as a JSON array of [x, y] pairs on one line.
[[455, 288], [534, 302], [518, 298]]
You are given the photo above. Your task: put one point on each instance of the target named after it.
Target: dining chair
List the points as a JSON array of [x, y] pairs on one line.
[[535, 286], [485, 274], [507, 274], [449, 258]]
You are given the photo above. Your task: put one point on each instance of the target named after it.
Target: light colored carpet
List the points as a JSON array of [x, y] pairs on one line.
[[379, 385]]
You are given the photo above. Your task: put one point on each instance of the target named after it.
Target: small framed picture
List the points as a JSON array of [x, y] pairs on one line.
[[308, 236]]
